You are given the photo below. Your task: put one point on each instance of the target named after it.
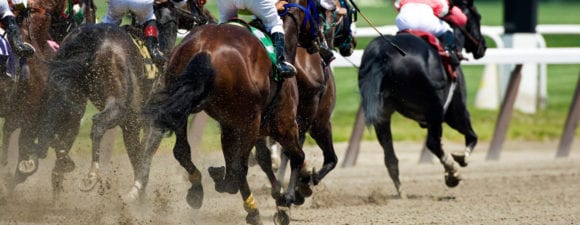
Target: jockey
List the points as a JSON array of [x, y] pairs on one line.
[[266, 11], [19, 47], [431, 16], [143, 10]]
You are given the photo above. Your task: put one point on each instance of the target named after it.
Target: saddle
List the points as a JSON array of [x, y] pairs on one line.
[[433, 41], [151, 70]]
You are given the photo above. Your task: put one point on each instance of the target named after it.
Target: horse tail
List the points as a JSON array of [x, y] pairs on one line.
[[374, 67], [184, 94]]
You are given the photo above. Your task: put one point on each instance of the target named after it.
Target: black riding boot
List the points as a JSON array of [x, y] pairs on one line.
[[152, 43], [19, 47], [448, 41], [286, 69]]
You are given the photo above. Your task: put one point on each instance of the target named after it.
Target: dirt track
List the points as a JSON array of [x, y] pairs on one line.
[[526, 186]]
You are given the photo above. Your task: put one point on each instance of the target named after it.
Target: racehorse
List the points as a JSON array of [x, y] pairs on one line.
[[231, 78], [89, 66], [403, 73], [20, 106], [316, 97]]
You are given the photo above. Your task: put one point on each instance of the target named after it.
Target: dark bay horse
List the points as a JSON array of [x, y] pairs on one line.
[[230, 77], [100, 63], [20, 106], [316, 96], [415, 84]]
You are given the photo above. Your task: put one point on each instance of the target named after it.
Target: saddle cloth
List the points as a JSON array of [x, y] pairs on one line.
[[433, 41]]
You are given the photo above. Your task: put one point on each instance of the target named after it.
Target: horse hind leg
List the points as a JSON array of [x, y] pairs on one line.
[[131, 130], [236, 145], [103, 121], [182, 153], [384, 135]]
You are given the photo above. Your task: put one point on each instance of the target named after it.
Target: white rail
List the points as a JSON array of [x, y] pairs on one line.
[[495, 55], [499, 55]]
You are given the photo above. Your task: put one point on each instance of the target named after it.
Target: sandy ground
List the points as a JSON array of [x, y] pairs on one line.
[[528, 185]]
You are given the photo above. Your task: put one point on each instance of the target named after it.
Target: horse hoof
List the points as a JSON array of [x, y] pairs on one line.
[[299, 198], [452, 179], [460, 158], [28, 167], [217, 173], [195, 196], [88, 184], [65, 164], [304, 189], [281, 217], [132, 195], [254, 218]]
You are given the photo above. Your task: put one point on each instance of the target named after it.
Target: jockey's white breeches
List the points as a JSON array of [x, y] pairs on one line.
[[143, 10], [5, 9], [265, 10], [418, 16]]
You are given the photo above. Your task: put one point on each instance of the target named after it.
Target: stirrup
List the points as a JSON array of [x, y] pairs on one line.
[[327, 56], [25, 50], [286, 69], [158, 58]]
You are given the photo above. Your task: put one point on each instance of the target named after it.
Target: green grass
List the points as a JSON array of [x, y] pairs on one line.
[[545, 125]]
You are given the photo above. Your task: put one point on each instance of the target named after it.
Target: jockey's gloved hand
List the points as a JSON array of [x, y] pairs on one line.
[[20, 5]]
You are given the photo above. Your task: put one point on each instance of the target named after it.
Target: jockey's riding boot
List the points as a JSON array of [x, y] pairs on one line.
[[326, 53], [152, 42], [19, 47], [285, 68], [448, 41]]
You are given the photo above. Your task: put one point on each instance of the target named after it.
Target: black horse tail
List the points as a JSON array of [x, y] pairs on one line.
[[374, 67], [183, 95]]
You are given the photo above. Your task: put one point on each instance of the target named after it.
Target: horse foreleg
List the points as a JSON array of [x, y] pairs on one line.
[[182, 153], [383, 132], [452, 176], [458, 119], [265, 161], [323, 136]]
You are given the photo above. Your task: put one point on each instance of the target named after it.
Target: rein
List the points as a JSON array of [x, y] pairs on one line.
[[399, 49], [469, 36], [311, 18]]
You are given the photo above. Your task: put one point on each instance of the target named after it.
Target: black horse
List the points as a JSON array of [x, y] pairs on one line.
[[405, 74]]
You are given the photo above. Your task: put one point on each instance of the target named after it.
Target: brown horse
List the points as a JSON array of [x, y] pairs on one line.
[[316, 96], [21, 105], [230, 77]]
